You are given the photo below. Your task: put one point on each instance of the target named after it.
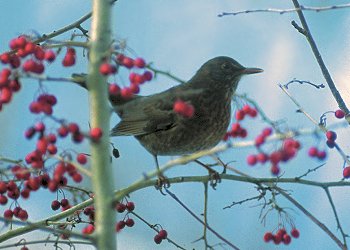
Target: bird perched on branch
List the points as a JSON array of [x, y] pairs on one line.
[[163, 130]]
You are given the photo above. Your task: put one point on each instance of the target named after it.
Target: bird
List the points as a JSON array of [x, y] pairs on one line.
[[161, 131], [153, 121]]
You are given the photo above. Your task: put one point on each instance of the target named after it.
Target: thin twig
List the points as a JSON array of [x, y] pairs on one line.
[[198, 219], [336, 216], [283, 11]]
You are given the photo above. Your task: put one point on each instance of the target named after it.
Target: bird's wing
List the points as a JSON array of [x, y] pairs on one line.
[[150, 114], [144, 116]]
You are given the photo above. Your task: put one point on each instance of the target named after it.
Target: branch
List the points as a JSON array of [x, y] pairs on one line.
[[101, 169], [320, 61], [313, 218], [198, 219], [283, 11]]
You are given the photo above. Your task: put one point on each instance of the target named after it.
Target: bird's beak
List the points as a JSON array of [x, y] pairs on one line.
[[248, 71]]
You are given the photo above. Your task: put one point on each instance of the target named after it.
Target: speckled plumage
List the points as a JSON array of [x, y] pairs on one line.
[[161, 131]]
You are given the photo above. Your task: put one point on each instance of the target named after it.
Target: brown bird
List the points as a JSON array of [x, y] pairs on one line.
[[162, 131]]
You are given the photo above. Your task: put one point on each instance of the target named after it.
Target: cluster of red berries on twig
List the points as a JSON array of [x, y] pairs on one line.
[[136, 77], [236, 129], [25, 57], [90, 212], [316, 153], [183, 108], [127, 221], [281, 236], [18, 212]]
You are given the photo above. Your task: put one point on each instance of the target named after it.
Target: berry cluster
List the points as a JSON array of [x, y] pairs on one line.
[[316, 153], [183, 108], [281, 236], [136, 78], [26, 57], [286, 152], [43, 104], [331, 137], [127, 221], [18, 212], [64, 203], [90, 212], [236, 129]]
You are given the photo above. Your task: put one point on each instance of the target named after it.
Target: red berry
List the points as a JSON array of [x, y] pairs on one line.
[[5, 95], [259, 140], [41, 145], [8, 214], [120, 207], [140, 63], [276, 157], [14, 85], [39, 127], [3, 187], [157, 239], [147, 75], [5, 58], [252, 160], [346, 172], [106, 69], [321, 155], [25, 193], [184, 109], [163, 234], [81, 158], [331, 135], [62, 131], [96, 133], [268, 237], [267, 132], [130, 222], [126, 93], [89, 229], [286, 239], [128, 62], [68, 60], [275, 170], [120, 225], [130, 206], [64, 202], [295, 233], [313, 152], [134, 88], [55, 205], [239, 115], [77, 177], [23, 215], [49, 55], [338, 113], [262, 158], [29, 48], [114, 89], [3, 199]]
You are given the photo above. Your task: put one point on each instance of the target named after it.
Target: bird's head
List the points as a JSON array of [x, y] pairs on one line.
[[225, 72]]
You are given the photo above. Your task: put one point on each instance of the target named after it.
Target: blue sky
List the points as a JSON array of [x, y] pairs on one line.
[[179, 36]]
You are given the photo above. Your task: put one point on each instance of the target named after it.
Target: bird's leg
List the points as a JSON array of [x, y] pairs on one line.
[[162, 180], [214, 175]]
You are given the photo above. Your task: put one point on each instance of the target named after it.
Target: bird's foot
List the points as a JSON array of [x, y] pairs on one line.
[[162, 182], [214, 178]]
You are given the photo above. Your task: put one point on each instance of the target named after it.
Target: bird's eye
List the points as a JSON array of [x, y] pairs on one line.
[[225, 66]]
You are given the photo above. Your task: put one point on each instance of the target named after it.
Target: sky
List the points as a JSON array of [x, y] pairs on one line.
[[179, 36]]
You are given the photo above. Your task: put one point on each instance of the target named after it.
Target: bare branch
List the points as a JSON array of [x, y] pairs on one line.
[[283, 11]]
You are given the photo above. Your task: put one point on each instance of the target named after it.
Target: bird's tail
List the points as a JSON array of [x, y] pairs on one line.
[[115, 100]]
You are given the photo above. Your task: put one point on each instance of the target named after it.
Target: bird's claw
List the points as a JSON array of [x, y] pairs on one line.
[[162, 181], [214, 178]]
